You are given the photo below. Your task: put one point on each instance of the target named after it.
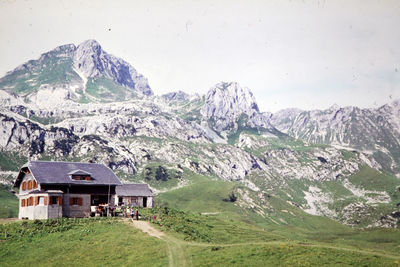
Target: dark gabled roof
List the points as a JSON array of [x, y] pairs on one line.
[[59, 172], [140, 190]]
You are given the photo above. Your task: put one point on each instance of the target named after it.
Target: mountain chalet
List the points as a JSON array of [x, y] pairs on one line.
[[50, 189]]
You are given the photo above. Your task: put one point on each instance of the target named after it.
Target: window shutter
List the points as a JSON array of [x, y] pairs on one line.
[[22, 202], [45, 200], [59, 200], [29, 185], [23, 186], [36, 201], [34, 184], [71, 201], [79, 201]]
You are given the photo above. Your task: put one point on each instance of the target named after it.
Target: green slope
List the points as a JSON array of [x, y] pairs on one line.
[[100, 242], [8, 203], [80, 242], [52, 68]]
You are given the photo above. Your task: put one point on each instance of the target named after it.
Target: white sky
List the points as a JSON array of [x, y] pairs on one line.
[[306, 54]]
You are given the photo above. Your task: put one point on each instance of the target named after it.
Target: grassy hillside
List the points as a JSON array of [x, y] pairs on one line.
[[111, 242], [280, 222], [209, 196], [8, 203], [81, 242], [209, 222]]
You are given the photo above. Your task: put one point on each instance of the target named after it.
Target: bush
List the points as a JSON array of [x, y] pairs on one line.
[[28, 229], [193, 226], [231, 198]]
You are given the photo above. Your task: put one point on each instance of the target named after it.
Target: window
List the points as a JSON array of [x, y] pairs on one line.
[[22, 202], [53, 200], [23, 186], [40, 201], [30, 201], [81, 177], [75, 201], [29, 185], [34, 184]]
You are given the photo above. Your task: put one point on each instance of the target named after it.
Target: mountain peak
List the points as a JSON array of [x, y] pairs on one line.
[[90, 42], [229, 98], [93, 62], [226, 102], [69, 69], [334, 107]]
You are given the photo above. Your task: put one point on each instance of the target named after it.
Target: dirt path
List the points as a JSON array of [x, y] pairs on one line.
[[176, 256], [147, 228]]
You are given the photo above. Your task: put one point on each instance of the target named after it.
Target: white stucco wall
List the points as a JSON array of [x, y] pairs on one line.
[[39, 211], [26, 212]]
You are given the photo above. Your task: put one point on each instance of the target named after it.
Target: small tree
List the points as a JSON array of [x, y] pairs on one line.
[[161, 173], [232, 197]]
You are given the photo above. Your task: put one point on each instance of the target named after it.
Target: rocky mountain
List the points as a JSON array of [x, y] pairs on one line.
[[318, 162], [376, 131], [84, 74], [226, 103]]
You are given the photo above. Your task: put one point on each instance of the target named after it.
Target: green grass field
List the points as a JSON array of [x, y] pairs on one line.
[[115, 242], [81, 242]]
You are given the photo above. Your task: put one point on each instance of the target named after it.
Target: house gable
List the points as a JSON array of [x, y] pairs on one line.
[[27, 183]]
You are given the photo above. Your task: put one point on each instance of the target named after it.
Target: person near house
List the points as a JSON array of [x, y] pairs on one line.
[[132, 213], [137, 215], [127, 212]]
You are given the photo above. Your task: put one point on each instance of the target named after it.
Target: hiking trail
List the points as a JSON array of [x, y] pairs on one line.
[[176, 256]]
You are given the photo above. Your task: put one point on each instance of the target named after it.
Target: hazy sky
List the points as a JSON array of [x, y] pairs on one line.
[[306, 54]]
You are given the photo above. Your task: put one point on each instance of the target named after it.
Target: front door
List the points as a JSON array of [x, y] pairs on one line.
[[144, 202]]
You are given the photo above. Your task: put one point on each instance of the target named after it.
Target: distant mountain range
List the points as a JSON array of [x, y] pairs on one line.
[[80, 103]]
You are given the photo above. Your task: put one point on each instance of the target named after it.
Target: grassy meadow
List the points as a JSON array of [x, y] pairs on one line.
[[78, 242], [191, 239], [203, 227]]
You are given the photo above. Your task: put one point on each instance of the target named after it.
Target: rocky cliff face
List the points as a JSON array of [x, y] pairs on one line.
[[228, 106], [93, 62], [372, 130]]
